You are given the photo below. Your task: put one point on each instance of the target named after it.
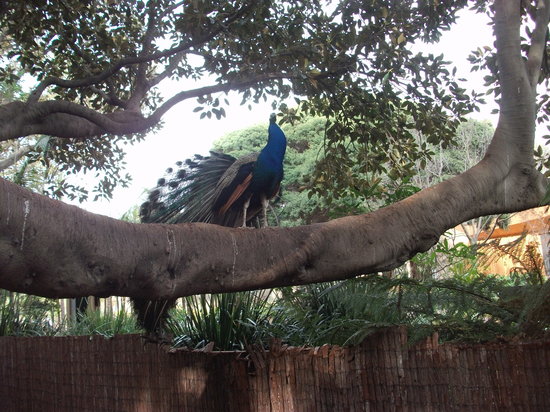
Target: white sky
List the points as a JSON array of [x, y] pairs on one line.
[[184, 134]]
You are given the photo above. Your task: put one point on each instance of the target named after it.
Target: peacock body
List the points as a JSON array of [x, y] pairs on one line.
[[217, 189]]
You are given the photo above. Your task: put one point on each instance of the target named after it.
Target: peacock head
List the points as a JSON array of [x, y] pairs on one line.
[[273, 118]]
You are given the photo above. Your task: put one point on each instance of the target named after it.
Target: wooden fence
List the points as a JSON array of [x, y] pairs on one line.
[[384, 373]]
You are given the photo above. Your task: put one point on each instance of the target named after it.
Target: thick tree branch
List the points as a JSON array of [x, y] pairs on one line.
[[538, 41], [123, 122], [56, 250], [70, 120], [516, 126], [512, 73]]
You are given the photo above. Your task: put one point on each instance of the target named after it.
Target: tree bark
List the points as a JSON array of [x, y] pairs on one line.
[[14, 157], [52, 249]]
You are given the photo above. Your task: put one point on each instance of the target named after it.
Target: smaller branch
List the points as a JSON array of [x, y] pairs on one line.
[[90, 81], [170, 9], [87, 81], [110, 99], [43, 117], [14, 157], [538, 41], [224, 87], [490, 233], [174, 61], [34, 96], [141, 85], [151, 25]]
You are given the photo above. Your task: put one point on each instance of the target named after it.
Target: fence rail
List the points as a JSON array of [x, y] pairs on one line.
[[384, 373]]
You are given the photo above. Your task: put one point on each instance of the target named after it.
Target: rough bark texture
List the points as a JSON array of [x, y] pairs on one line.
[[51, 249]]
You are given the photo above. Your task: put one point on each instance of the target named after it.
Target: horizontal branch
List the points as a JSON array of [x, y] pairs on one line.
[[70, 120], [217, 88], [66, 120], [51, 249]]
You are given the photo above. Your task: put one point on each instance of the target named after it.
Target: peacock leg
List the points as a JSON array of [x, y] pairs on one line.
[[245, 209], [265, 204]]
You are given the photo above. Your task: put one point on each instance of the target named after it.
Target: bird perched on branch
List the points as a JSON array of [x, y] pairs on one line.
[[216, 189]]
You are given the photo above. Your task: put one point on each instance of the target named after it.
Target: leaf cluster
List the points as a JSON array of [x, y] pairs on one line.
[[349, 62], [73, 40], [478, 309]]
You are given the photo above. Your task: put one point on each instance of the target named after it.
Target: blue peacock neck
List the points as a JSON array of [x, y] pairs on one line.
[[276, 144]]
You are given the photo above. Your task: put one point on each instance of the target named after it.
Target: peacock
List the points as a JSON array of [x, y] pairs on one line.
[[217, 189]]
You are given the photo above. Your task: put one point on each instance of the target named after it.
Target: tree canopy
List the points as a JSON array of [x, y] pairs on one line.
[[98, 66]]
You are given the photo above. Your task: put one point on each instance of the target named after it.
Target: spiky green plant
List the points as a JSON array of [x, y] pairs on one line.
[[467, 308], [104, 323], [27, 315], [229, 320], [334, 312]]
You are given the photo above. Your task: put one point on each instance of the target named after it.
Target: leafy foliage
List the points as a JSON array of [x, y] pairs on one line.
[[44, 164], [336, 313], [525, 256], [230, 320], [35, 170], [26, 315], [306, 198], [349, 62], [105, 323], [461, 308]]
